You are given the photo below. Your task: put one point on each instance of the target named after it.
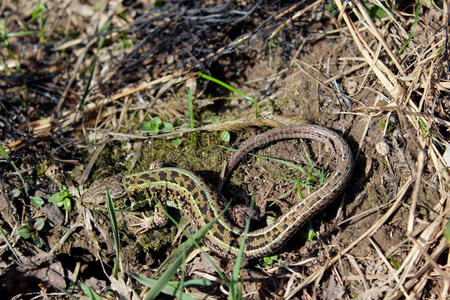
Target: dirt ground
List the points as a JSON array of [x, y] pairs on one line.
[[84, 83]]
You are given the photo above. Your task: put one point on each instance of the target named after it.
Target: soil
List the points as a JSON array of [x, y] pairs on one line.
[[290, 79]]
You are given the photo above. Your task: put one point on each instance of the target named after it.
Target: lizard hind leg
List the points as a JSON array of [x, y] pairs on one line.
[[147, 223]]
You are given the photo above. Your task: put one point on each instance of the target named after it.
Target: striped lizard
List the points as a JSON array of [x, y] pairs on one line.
[[203, 205]]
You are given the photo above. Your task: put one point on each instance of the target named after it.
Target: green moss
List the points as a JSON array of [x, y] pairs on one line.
[[373, 199], [204, 156], [382, 124], [157, 239], [40, 171], [151, 241]]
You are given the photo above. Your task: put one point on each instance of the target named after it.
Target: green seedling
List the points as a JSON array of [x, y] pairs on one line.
[[41, 13], [37, 201], [62, 198], [177, 142], [4, 34], [311, 232], [269, 260], [224, 135], [125, 41], [155, 125], [31, 230], [394, 263]]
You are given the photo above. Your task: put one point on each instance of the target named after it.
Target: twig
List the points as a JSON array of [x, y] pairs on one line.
[[369, 232]]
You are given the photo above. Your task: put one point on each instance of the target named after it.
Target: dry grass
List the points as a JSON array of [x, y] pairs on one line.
[[82, 87]]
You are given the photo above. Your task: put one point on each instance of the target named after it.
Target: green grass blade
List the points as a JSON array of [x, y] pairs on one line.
[[229, 87], [90, 292], [6, 156], [168, 289], [180, 284], [180, 249], [191, 115], [5, 238], [287, 163], [163, 281], [179, 255], [235, 292], [94, 63], [413, 30], [115, 230], [299, 189]]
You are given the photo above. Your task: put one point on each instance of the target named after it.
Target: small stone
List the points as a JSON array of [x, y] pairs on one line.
[[352, 87], [382, 148]]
